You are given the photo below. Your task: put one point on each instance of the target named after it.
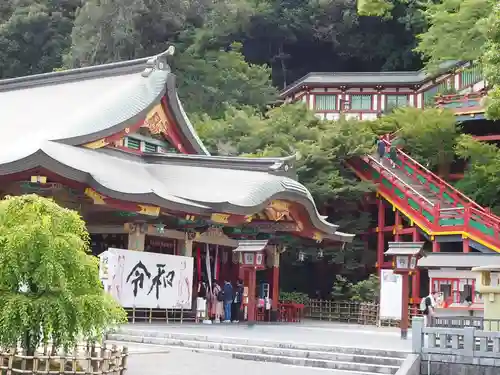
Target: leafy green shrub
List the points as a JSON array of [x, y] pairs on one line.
[[294, 297], [49, 284]]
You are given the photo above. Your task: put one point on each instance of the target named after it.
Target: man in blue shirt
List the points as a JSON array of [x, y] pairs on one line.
[[381, 149], [228, 300]]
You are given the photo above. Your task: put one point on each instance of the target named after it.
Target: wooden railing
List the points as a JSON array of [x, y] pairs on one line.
[[464, 215], [427, 178], [350, 312], [83, 359], [144, 315], [459, 101]]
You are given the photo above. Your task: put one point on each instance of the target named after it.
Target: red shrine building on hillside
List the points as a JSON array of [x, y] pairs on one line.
[[114, 143], [413, 204], [367, 95]]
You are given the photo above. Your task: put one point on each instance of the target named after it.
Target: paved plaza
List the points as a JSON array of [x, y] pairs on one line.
[[185, 362], [158, 360], [312, 332]]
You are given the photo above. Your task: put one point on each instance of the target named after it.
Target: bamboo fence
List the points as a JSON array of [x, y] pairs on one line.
[[86, 359]]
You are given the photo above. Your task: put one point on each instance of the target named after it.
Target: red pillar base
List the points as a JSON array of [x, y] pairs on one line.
[[273, 279], [435, 247], [380, 233], [466, 245], [415, 282], [251, 277]]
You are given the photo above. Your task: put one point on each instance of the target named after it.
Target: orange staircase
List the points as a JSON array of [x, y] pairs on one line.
[[430, 203]]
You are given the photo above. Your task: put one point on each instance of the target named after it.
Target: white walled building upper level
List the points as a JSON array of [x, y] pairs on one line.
[[367, 95]]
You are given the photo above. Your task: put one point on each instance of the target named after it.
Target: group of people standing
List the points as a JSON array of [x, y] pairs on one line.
[[224, 301]]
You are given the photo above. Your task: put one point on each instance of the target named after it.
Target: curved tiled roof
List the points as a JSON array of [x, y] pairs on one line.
[[320, 79], [197, 186], [78, 106], [46, 117]]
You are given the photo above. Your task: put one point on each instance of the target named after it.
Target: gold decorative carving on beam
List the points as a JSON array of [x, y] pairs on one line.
[[95, 196], [39, 179], [148, 210], [317, 236], [220, 218], [156, 120], [279, 210], [280, 205], [100, 143]]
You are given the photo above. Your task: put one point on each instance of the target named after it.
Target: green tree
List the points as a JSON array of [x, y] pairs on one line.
[[482, 176], [33, 38], [362, 291], [429, 134], [49, 285], [366, 290], [491, 64], [323, 148], [457, 31], [209, 78], [105, 31], [211, 81]]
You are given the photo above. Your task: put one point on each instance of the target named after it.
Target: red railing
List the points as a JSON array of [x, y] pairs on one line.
[[435, 179], [443, 100], [423, 204], [430, 215]]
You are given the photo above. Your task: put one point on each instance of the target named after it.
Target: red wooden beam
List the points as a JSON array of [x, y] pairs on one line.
[[492, 137], [173, 131]]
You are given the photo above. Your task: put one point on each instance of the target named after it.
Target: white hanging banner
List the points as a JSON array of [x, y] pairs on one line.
[[147, 280], [208, 266], [216, 263], [391, 299]]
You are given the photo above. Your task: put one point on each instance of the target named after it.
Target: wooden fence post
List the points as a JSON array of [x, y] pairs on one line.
[[124, 361]]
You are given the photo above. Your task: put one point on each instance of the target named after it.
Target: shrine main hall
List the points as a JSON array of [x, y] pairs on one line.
[[114, 143]]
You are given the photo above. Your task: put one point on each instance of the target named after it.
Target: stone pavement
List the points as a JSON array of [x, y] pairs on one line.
[[182, 362], [313, 332], [148, 359]]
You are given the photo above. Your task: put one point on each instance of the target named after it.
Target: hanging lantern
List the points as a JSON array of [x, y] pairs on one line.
[[302, 256], [160, 228]]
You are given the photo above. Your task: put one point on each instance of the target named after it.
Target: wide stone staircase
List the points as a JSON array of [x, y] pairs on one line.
[[338, 359]]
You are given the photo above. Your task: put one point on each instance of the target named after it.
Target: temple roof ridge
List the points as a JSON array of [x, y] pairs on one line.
[[76, 74], [195, 188], [276, 165], [388, 77]]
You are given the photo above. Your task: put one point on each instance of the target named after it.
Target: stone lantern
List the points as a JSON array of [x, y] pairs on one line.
[[488, 284], [405, 256]]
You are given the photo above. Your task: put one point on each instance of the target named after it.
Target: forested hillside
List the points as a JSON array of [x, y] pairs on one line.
[[233, 56]]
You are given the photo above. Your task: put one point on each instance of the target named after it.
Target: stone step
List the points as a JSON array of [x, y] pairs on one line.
[[347, 368], [146, 333], [276, 351], [366, 361]]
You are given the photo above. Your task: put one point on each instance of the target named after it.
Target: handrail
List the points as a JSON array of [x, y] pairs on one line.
[[458, 97], [493, 218], [439, 179], [467, 213], [401, 181]]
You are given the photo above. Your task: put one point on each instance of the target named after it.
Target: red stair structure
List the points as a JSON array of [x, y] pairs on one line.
[[430, 203]]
